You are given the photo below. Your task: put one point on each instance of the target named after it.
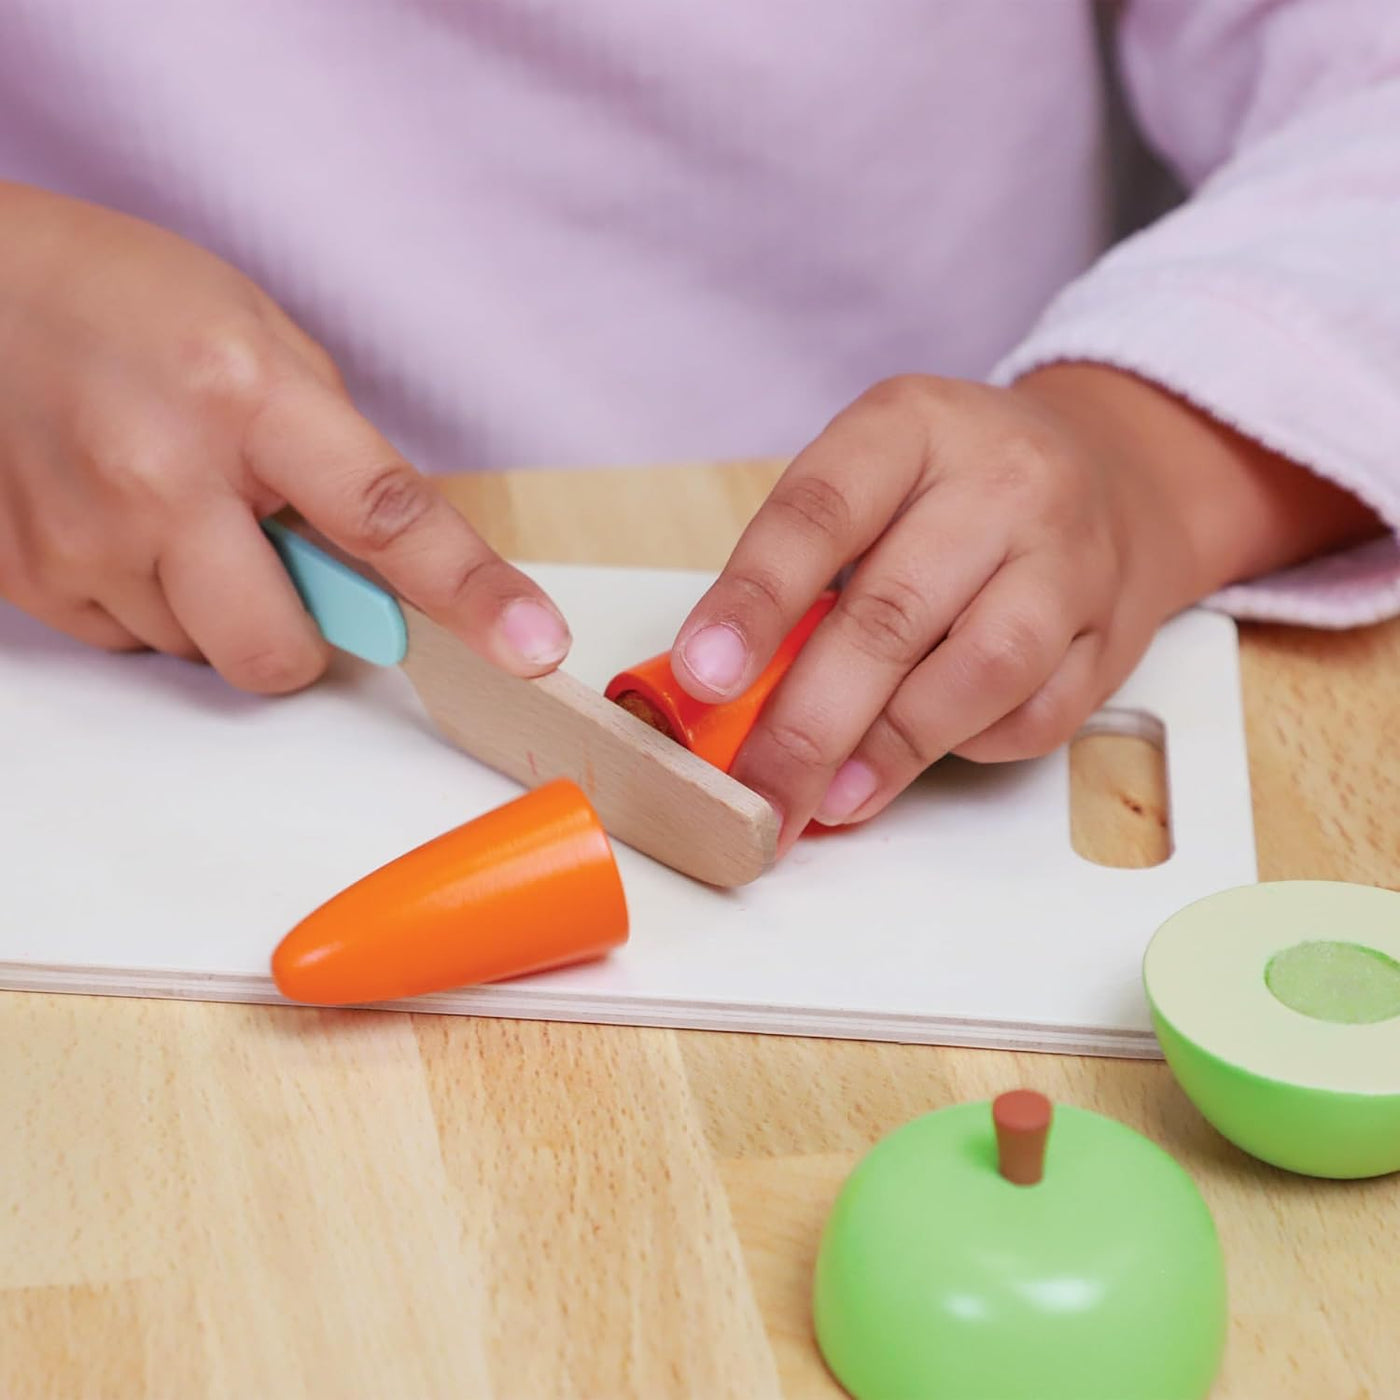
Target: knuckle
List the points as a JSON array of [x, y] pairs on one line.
[[905, 392], [903, 735], [137, 467], [466, 581], [798, 745], [486, 576], [1024, 465], [888, 621], [1001, 652], [392, 501], [817, 506], [229, 364], [1037, 728], [754, 588]]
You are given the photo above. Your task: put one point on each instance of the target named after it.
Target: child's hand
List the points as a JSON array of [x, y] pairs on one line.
[[154, 406], [1014, 549]]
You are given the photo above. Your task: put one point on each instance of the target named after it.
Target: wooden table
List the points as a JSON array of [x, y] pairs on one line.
[[263, 1203]]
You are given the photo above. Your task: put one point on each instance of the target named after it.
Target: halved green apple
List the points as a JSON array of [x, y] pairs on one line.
[[1278, 1009]]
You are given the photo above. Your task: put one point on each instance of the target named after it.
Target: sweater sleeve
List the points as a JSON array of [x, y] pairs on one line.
[[1271, 297]]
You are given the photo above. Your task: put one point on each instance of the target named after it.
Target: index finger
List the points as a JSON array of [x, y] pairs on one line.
[[312, 448], [830, 505]]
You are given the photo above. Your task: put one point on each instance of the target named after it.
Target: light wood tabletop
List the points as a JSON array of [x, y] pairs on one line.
[[252, 1202]]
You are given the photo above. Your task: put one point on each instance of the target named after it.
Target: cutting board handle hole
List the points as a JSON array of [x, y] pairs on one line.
[[1119, 802]]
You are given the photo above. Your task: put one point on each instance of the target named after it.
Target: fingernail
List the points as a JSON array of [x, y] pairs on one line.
[[716, 656], [852, 787], [534, 632]]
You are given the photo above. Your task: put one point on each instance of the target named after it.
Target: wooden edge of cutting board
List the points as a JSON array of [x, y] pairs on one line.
[[525, 1000]]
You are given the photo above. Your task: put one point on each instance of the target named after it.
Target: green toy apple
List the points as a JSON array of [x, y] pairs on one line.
[[982, 1253], [1278, 1009]]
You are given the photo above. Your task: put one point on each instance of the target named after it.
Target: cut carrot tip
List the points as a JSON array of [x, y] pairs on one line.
[[529, 886], [714, 732]]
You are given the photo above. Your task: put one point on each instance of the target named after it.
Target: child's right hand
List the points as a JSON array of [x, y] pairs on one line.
[[154, 406]]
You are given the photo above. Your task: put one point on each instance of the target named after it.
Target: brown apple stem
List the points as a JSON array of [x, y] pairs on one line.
[[1022, 1122]]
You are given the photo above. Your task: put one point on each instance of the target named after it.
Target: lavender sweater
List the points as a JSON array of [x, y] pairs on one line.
[[572, 231]]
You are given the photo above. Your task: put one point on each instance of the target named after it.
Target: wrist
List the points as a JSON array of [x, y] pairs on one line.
[[1170, 531], [1240, 509]]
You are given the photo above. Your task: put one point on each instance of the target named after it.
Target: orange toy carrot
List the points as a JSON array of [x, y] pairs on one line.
[[529, 886], [715, 732]]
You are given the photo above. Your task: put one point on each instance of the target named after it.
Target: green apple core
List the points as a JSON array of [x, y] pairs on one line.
[[1346, 983]]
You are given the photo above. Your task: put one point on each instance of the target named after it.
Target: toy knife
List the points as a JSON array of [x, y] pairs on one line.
[[649, 792]]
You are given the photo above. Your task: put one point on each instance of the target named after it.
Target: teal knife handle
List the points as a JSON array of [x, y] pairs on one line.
[[353, 614]]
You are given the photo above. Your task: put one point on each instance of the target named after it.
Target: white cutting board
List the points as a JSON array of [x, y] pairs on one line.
[[160, 832]]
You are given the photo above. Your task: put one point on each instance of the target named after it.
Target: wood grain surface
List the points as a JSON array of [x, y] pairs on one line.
[[227, 1201]]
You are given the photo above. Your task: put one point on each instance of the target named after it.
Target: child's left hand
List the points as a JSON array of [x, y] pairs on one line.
[[1014, 551]]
